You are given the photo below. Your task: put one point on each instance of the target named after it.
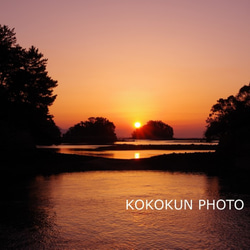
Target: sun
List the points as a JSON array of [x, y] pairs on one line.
[[137, 124]]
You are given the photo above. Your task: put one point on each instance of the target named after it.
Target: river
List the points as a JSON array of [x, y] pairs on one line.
[[91, 150], [88, 210]]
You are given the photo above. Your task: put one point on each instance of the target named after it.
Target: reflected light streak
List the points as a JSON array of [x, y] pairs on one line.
[[137, 156]]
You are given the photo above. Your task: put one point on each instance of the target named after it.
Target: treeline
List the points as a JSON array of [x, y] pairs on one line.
[[229, 122], [94, 130], [101, 130], [154, 130], [26, 92]]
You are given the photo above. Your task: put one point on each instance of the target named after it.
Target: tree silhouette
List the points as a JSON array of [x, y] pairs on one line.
[[26, 92], [229, 121], [154, 130], [94, 130]]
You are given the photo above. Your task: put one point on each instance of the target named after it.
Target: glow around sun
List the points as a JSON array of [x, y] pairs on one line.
[[137, 124]]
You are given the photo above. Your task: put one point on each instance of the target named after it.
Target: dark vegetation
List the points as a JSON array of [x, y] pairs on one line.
[[155, 130], [26, 92], [229, 121], [94, 130]]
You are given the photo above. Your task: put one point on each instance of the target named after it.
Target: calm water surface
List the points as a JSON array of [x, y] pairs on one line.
[[129, 154], [125, 154], [87, 211], [166, 142]]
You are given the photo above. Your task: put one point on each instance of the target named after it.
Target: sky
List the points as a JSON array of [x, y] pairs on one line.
[[137, 60]]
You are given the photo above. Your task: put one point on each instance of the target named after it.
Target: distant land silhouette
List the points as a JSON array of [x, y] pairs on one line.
[[94, 130], [155, 130]]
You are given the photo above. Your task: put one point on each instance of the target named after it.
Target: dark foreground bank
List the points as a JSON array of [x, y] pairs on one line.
[[42, 161], [234, 170]]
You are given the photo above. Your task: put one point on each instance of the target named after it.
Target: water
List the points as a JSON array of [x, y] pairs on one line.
[[87, 210], [124, 154], [89, 150], [166, 142]]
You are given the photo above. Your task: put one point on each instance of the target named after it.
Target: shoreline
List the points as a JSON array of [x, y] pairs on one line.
[[44, 161], [233, 170], [155, 147]]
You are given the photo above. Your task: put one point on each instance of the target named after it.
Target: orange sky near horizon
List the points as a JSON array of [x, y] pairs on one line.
[[137, 60]]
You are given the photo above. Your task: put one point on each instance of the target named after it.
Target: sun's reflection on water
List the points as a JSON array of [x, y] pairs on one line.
[[137, 155]]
